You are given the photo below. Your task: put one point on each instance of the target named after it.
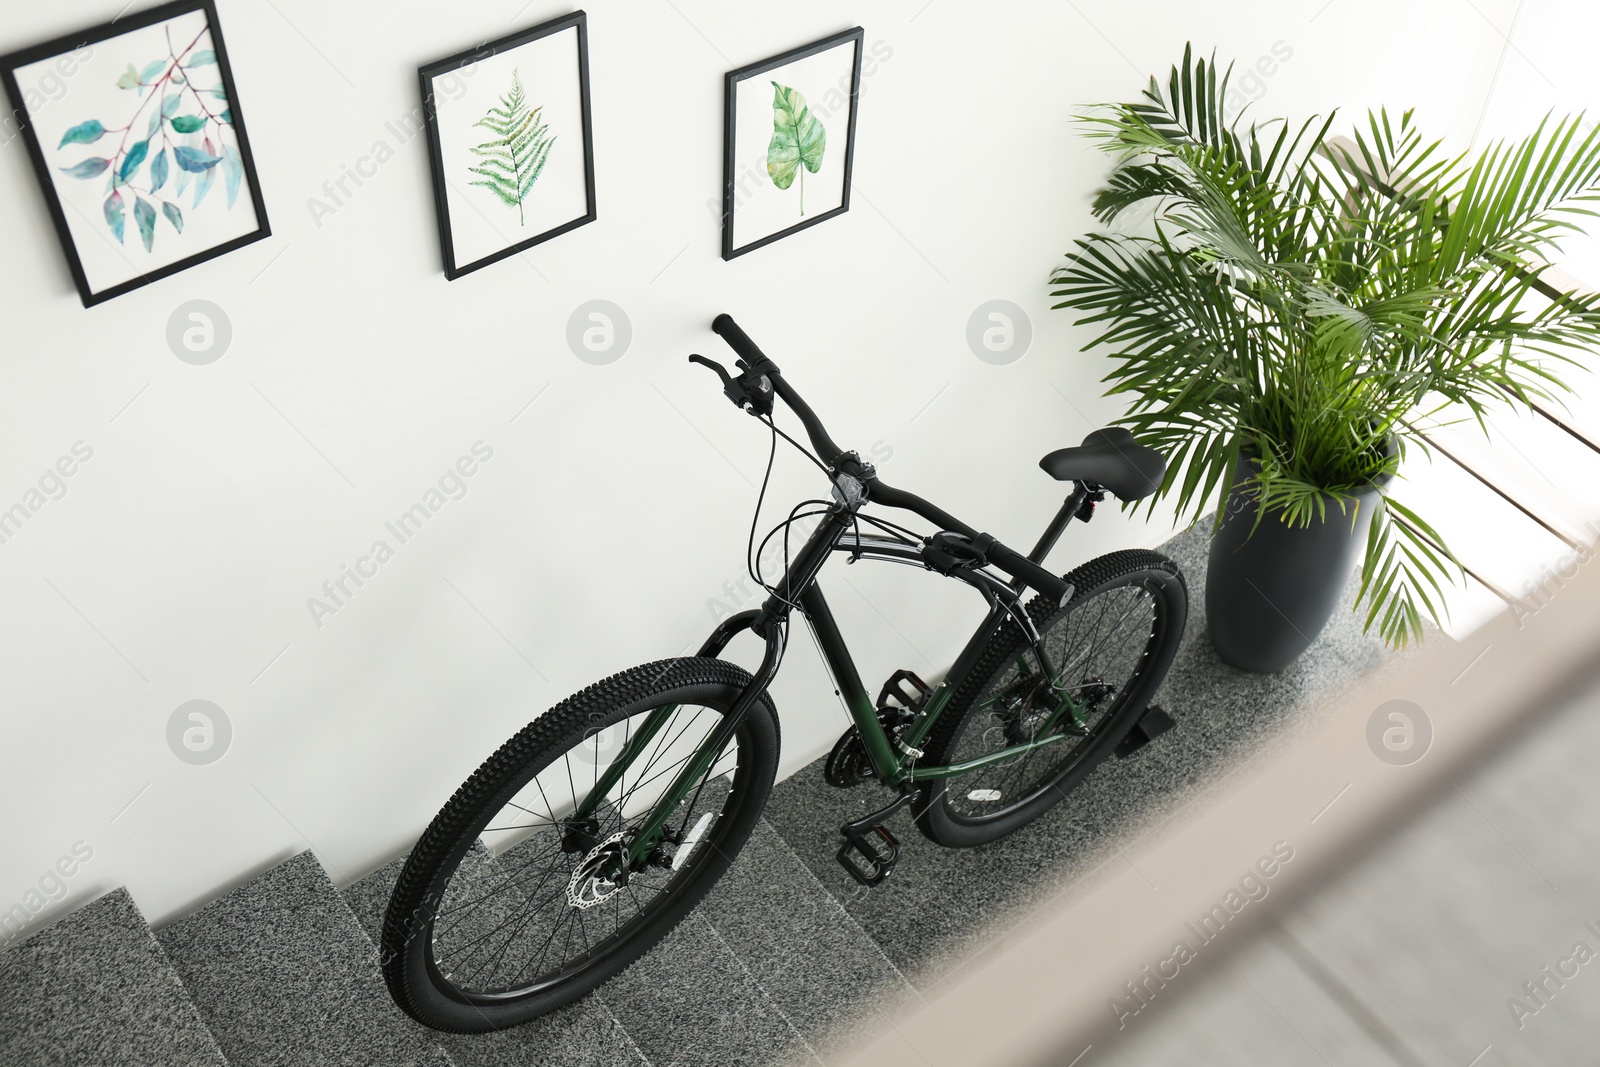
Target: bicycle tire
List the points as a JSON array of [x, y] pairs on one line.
[[452, 852], [964, 815]]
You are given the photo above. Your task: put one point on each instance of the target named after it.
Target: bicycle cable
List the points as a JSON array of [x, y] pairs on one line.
[[750, 564], [802, 449], [909, 536], [783, 527], [787, 525], [753, 551]]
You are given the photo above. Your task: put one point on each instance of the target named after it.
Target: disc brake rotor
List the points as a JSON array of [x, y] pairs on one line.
[[601, 875]]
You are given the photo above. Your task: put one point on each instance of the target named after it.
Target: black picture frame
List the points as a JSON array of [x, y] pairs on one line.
[[730, 130], [60, 46], [426, 76]]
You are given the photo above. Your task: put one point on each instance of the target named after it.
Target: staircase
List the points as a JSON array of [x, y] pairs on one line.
[[785, 962]]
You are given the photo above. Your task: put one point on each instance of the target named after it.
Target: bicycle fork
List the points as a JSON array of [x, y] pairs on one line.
[[766, 622]]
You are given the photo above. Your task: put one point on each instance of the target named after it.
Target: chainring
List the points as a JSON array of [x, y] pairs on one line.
[[847, 764]]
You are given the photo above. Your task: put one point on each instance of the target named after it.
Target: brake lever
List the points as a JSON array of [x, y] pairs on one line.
[[714, 365], [757, 402], [732, 387]]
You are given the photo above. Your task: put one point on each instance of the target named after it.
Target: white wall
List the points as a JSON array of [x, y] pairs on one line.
[[219, 498]]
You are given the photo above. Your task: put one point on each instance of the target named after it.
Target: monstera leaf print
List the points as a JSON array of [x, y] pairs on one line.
[[798, 140], [512, 161]]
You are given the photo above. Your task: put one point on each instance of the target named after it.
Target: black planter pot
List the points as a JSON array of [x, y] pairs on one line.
[[1270, 593]]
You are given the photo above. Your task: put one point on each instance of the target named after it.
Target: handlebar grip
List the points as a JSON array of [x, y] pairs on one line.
[[740, 342], [1022, 567]]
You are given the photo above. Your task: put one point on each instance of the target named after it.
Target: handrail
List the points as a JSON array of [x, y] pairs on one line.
[[1554, 530]]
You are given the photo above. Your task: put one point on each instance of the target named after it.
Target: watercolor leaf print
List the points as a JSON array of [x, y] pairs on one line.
[[145, 216], [158, 171], [511, 162], [232, 172], [183, 125], [83, 133], [135, 156], [205, 165], [798, 140], [113, 212], [92, 167], [193, 160]]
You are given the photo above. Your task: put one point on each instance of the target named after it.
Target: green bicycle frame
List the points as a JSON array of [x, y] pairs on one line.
[[895, 763]]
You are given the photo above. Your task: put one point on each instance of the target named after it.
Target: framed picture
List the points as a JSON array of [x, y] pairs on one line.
[[790, 142], [512, 142], [139, 142]]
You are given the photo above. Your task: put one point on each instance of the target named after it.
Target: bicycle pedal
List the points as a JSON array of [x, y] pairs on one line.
[[912, 698], [858, 838], [878, 862], [1150, 726]]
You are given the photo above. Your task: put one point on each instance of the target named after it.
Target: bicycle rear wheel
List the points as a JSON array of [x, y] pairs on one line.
[[515, 902], [1111, 645]]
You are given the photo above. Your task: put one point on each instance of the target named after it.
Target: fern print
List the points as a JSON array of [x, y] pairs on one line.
[[512, 161]]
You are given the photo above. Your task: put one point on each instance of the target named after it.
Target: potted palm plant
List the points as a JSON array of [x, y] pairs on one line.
[[1289, 312]]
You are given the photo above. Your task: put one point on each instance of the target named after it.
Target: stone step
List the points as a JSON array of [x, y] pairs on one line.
[[814, 962], [285, 977], [585, 1034], [96, 988]]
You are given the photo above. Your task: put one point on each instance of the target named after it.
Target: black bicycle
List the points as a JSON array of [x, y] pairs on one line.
[[579, 844]]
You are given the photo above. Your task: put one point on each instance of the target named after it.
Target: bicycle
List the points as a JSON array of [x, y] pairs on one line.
[[589, 835]]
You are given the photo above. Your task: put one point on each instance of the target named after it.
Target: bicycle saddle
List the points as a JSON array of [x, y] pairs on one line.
[[1111, 459]]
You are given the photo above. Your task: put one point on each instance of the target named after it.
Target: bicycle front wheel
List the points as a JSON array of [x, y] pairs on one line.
[[1110, 646], [519, 898]]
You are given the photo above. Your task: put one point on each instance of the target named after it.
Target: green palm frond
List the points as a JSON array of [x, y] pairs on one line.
[[1307, 299], [512, 161]]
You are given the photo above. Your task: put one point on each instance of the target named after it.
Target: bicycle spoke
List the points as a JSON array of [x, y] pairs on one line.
[[530, 913], [518, 925], [680, 763], [1095, 645], [457, 911], [660, 750]]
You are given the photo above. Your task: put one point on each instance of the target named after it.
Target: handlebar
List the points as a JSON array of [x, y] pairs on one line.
[[756, 364], [990, 550], [746, 349]]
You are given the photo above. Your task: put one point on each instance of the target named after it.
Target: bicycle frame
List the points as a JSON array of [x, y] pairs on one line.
[[894, 761]]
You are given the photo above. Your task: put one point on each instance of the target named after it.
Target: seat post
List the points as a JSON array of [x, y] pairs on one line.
[[1052, 533]]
